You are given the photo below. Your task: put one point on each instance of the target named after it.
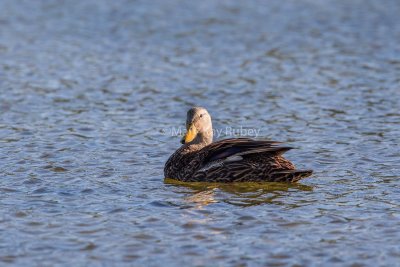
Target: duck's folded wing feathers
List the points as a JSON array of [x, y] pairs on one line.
[[242, 147]]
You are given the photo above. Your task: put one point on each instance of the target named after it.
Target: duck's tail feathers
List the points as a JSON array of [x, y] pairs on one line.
[[291, 175]]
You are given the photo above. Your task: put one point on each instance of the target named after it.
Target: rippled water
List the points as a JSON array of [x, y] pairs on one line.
[[92, 90]]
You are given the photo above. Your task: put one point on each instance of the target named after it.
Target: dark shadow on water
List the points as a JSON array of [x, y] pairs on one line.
[[238, 194]]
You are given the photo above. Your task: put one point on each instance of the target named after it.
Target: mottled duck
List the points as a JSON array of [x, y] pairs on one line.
[[199, 159]]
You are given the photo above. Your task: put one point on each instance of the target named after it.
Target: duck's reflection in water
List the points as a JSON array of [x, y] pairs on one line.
[[239, 194], [202, 198]]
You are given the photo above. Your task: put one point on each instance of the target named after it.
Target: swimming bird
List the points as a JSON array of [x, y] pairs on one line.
[[199, 159]]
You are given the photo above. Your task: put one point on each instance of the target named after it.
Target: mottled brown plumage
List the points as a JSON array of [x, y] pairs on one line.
[[229, 160]]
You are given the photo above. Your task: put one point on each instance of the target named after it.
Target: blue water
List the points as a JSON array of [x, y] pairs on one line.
[[91, 95]]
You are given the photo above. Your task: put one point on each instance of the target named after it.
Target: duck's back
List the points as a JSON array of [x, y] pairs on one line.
[[235, 160]]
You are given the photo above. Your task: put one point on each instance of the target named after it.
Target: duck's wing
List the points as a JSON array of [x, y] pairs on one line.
[[241, 147], [243, 159]]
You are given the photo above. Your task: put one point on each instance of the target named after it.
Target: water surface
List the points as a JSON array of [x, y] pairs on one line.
[[89, 93]]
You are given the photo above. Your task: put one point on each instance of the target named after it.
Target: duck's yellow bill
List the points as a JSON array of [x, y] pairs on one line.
[[190, 135]]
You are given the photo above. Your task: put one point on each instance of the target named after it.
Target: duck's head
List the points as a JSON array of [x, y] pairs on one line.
[[198, 126]]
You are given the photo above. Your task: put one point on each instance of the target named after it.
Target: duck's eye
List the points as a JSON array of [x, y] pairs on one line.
[[201, 115]]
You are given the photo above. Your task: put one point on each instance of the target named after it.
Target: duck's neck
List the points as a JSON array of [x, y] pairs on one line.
[[200, 141]]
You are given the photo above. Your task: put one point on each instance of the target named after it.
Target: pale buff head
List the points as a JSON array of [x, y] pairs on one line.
[[198, 126]]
